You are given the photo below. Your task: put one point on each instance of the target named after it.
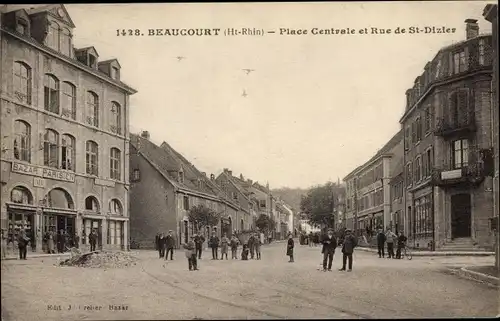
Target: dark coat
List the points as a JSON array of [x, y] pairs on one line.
[[329, 244], [92, 238], [289, 247], [381, 238], [402, 240], [350, 242], [198, 241], [162, 243], [170, 241], [214, 242]]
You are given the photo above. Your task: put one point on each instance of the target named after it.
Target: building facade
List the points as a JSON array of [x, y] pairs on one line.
[[164, 187], [368, 204], [448, 146], [65, 129]]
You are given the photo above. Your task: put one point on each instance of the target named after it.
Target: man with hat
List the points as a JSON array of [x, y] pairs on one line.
[[328, 250], [191, 254], [170, 244], [348, 246]]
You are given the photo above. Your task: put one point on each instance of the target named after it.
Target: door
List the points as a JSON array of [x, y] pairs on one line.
[[460, 215], [186, 232]]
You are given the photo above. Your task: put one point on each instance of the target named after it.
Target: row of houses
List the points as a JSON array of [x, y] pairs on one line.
[[69, 161], [433, 180]]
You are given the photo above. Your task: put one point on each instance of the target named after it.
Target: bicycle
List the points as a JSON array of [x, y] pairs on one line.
[[406, 252]]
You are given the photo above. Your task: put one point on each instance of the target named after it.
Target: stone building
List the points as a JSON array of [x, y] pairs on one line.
[[368, 191], [448, 146], [164, 187], [65, 127]]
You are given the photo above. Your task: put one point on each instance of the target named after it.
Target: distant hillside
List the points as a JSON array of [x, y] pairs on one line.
[[291, 196]]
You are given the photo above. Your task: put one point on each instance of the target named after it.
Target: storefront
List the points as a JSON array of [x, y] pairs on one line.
[[116, 233], [21, 218], [91, 223]]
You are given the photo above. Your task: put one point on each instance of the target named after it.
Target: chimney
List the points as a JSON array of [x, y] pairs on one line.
[[249, 181], [471, 28], [145, 134], [241, 177], [230, 173], [204, 174], [212, 177]]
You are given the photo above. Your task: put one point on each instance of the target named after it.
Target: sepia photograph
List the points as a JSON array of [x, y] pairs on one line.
[[347, 151]]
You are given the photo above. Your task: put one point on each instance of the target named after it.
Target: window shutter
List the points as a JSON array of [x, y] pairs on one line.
[[466, 51], [450, 64]]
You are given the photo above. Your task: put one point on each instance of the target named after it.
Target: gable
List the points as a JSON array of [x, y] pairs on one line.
[[60, 12]]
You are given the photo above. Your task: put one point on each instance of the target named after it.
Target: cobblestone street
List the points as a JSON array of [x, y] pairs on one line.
[[270, 288]]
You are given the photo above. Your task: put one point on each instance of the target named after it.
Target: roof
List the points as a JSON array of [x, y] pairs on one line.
[[397, 168], [109, 61], [396, 139], [86, 49], [38, 8]]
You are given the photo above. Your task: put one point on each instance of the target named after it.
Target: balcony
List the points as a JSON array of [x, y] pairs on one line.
[[470, 175], [448, 127]]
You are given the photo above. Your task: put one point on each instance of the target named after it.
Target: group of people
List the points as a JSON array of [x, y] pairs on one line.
[[390, 238], [194, 247], [165, 245], [330, 244]]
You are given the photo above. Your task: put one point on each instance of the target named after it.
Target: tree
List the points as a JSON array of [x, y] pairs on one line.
[[202, 216], [318, 205], [265, 223]]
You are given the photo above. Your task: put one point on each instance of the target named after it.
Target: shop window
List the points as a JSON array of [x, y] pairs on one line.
[[22, 82], [22, 141], [92, 158], [51, 148], [115, 207], [21, 195], [91, 204], [68, 152], [51, 94]]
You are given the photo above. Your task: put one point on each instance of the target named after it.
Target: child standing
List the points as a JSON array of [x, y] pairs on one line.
[[290, 246]]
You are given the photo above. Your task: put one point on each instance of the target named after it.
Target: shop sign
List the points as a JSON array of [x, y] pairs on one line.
[[103, 182], [457, 173], [42, 172]]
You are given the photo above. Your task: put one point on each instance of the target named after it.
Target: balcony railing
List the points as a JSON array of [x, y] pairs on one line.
[[453, 126], [471, 174]]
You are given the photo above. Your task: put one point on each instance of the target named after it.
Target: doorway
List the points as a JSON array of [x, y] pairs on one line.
[[461, 216], [186, 232]]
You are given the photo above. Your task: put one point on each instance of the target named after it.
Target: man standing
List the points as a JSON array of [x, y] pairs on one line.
[[214, 244], [381, 243], [198, 241], [234, 247], [348, 246], [22, 243], [329, 246], [401, 244], [162, 244], [76, 240], [251, 245], [191, 254], [61, 241], [390, 237], [170, 242], [92, 240], [257, 245]]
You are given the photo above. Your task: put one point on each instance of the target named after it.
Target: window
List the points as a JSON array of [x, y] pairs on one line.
[[428, 119], [115, 207], [68, 152], [51, 148], [438, 69], [234, 195], [91, 204], [186, 203], [136, 175], [115, 73], [66, 42], [53, 36], [114, 164], [115, 235], [423, 217], [181, 177], [92, 109], [91, 159], [408, 175], [51, 94], [92, 61], [68, 100], [418, 169], [418, 128], [262, 203], [459, 62], [459, 107], [116, 118], [21, 195], [481, 52], [460, 153], [407, 138], [414, 132], [22, 82], [22, 141], [22, 27]]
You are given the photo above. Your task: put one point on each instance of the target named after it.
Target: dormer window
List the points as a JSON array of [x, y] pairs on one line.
[[52, 39], [92, 61], [181, 177], [115, 73], [22, 27]]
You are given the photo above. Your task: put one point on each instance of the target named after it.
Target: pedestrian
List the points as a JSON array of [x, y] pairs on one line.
[[350, 242], [61, 241], [257, 245], [156, 241], [401, 244], [244, 252], [190, 248], [234, 247], [289, 247], [328, 250], [93, 240], [390, 237], [162, 244], [76, 240], [4, 244], [198, 242], [51, 241], [251, 246], [170, 244], [310, 239], [22, 244], [224, 245], [214, 244], [381, 243]]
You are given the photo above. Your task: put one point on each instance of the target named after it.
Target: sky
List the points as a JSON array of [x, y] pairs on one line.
[[317, 106]]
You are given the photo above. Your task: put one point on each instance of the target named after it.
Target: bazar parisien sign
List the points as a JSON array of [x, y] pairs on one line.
[[43, 172]]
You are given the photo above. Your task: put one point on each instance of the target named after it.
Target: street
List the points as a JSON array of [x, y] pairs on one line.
[[271, 288]]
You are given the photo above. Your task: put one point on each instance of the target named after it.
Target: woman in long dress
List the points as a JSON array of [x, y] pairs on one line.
[[290, 246], [224, 242]]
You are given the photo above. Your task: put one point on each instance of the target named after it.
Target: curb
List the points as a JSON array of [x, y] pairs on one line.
[[38, 256], [476, 276], [436, 253]]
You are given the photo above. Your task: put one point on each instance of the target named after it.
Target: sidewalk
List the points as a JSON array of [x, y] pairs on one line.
[[39, 255], [435, 253], [480, 273]]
